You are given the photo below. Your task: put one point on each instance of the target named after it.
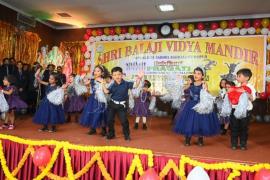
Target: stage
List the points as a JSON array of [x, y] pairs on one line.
[[159, 138]]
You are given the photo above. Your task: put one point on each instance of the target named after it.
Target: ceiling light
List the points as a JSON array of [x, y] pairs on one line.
[[166, 7]]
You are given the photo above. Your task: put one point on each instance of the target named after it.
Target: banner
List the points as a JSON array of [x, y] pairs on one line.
[[221, 57]]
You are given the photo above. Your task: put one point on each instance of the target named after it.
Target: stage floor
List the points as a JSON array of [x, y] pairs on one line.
[[159, 138]]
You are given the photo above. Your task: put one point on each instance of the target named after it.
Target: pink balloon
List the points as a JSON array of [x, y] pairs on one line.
[[42, 156], [263, 174], [149, 174]]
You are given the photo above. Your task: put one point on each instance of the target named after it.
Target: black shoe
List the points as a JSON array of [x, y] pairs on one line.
[[243, 147], [68, 119], [234, 147], [53, 129], [44, 129], [223, 132], [144, 126], [109, 137], [92, 131], [127, 138], [187, 141], [136, 125], [103, 132], [200, 141]]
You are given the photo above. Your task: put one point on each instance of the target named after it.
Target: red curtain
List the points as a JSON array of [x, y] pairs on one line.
[[117, 164]]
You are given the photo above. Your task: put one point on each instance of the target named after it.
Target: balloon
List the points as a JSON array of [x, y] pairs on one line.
[[150, 174], [87, 55], [223, 24], [112, 31], [104, 38], [239, 24], [219, 31], [140, 36], [42, 156], [94, 32], [99, 32], [256, 23], [89, 32], [147, 36], [246, 23], [134, 36], [109, 38], [118, 30], [214, 26], [235, 30], [203, 33], [84, 48], [175, 25], [211, 33], [128, 35], [265, 22], [264, 31], [198, 173], [181, 35], [258, 30], [196, 33], [251, 30], [183, 28], [154, 35], [92, 39], [121, 37], [243, 31], [190, 27], [187, 34], [231, 24], [144, 29], [262, 174], [124, 30], [200, 26], [115, 37], [82, 63], [175, 32], [263, 95], [86, 37], [131, 30], [106, 31], [137, 30], [151, 29]]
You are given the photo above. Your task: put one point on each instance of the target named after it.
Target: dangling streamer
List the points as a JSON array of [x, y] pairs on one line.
[[241, 109], [206, 104], [56, 96]]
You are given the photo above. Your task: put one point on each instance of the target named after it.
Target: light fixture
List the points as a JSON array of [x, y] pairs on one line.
[[166, 7]]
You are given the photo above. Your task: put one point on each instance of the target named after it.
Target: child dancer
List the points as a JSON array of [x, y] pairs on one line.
[[13, 100], [74, 102], [190, 122], [94, 112], [219, 102], [141, 108], [49, 112]]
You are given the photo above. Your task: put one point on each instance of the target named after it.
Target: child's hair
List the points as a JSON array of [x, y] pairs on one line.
[[230, 83], [11, 79], [245, 72], [104, 70], [147, 84], [199, 69], [191, 77], [221, 81], [73, 75], [56, 77], [117, 69]]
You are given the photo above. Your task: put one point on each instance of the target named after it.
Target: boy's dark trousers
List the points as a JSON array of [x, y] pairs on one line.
[[122, 112], [239, 128]]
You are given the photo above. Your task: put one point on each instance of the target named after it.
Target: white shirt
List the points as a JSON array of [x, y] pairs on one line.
[[253, 94]]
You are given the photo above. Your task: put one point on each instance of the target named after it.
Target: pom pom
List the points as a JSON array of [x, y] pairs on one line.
[[99, 94], [152, 104], [226, 107], [3, 103], [241, 109], [80, 89], [131, 102], [56, 96], [206, 104]]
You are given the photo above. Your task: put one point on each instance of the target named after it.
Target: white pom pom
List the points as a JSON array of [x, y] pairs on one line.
[[131, 102], [241, 108], [206, 104], [56, 96], [3, 103], [152, 104], [100, 96], [226, 107]]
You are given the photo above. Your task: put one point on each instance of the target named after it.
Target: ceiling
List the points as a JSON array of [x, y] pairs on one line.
[[121, 12]]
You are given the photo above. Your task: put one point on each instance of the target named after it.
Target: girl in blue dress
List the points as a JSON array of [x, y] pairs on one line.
[[190, 122], [48, 112], [94, 112]]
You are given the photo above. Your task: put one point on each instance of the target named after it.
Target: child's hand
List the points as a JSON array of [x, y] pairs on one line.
[[140, 74], [64, 86], [204, 85]]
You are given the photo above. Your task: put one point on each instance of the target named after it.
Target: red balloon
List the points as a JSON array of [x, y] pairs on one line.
[[42, 156], [246, 23], [151, 29], [137, 30], [112, 31], [263, 95], [231, 24], [214, 26], [99, 32], [149, 174], [183, 28], [89, 32], [86, 37], [82, 63], [124, 30], [262, 174], [84, 48], [200, 26], [257, 23]]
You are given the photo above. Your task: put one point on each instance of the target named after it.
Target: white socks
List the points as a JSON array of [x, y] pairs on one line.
[[138, 120]]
